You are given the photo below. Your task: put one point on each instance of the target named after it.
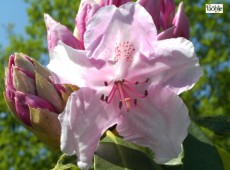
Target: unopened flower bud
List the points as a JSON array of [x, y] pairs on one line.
[[153, 8], [34, 99], [167, 13], [57, 31], [181, 22], [176, 27]]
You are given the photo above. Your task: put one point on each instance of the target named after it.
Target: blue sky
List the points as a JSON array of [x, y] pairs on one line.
[[12, 11]]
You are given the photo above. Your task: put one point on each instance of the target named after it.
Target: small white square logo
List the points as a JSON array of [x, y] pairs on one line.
[[214, 8]]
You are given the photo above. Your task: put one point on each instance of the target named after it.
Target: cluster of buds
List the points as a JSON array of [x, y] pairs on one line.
[[168, 23], [172, 24], [34, 99]]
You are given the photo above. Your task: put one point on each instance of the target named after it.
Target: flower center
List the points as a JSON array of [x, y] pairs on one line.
[[126, 91]]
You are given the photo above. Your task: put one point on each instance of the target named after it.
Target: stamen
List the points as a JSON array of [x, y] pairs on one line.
[[121, 93], [146, 93], [137, 82], [111, 94], [106, 99], [126, 97], [135, 102], [106, 83], [102, 97], [120, 104]]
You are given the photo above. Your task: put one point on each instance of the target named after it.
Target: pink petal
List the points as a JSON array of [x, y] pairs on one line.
[[83, 122], [22, 101], [111, 26], [9, 85], [159, 122], [68, 65], [181, 22], [153, 7], [174, 65], [10, 93], [56, 32], [9, 76]]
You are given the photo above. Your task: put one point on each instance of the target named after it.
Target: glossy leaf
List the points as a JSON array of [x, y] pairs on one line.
[[201, 154], [116, 154]]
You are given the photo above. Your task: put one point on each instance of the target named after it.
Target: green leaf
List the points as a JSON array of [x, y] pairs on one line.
[[114, 153], [66, 163], [201, 154], [219, 124], [225, 156]]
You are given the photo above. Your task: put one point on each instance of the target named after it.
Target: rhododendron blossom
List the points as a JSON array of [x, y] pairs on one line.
[[127, 78]]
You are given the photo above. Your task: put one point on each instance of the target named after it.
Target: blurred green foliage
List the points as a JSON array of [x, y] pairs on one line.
[[210, 33]]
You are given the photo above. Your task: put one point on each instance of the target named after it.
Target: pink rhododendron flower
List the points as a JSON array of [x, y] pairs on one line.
[[127, 78]]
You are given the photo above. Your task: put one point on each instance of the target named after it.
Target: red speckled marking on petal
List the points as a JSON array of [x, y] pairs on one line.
[[124, 51]]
